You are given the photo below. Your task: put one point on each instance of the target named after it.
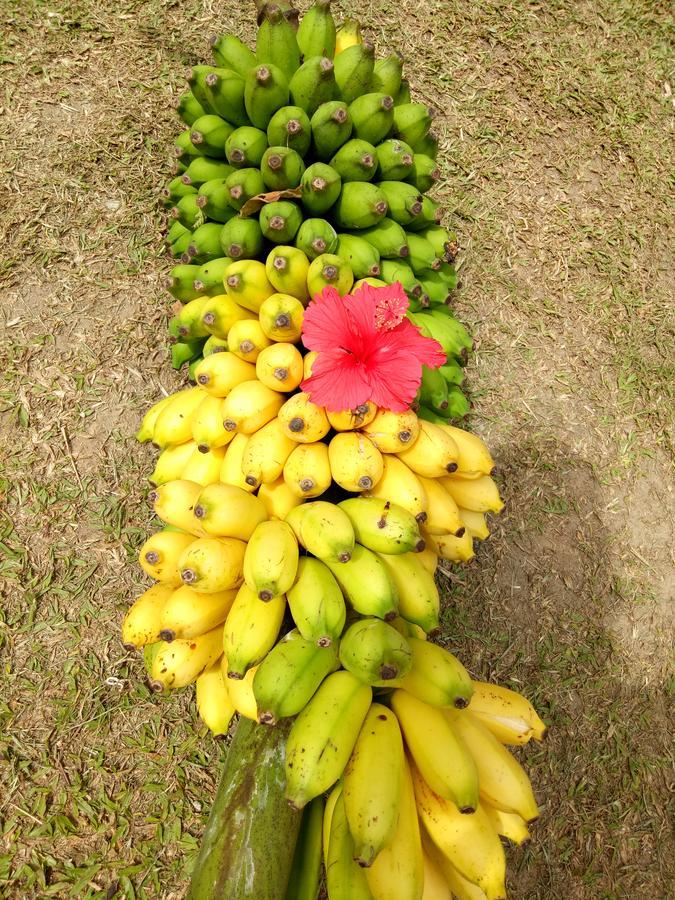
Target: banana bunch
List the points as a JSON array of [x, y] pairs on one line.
[[309, 153]]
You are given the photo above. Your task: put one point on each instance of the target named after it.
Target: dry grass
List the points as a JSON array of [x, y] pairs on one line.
[[556, 120]]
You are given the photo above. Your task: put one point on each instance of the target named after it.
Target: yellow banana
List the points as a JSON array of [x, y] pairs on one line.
[[475, 524], [159, 555], [278, 498], [445, 880], [352, 419], [240, 691], [224, 510], [213, 702], [443, 760], [266, 454], [171, 462], [400, 485], [454, 549], [509, 825], [345, 880], [147, 425], [218, 373], [470, 843], [251, 628], [442, 512], [436, 676], [308, 362], [324, 530], [220, 313], [392, 432], [474, 456], [316, 603], [281, 318], [348, 34], [280, 367], [174, 422], [179, 663], [231, 471], [509, 716], [435, 885], [174, 502], [398, 870], [433, 454], [249, 406], [271, 560], [355, 462], [307, 470], [418, 597], [188, 613], [204, 468], [246, 282], [503, 781], [323, 736], [208, 431], [332, 799], [305, 422], [373, 784], [479, 494], [286, 269], [213, 564], [429, 559], [247, 340], [141, 624]]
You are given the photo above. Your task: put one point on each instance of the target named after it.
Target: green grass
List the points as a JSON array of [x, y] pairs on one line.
[[555, 122]]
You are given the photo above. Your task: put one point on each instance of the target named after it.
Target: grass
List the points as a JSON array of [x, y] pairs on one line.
[[555, 122]]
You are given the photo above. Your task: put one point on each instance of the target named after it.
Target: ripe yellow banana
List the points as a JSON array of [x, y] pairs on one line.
[[509, 716], [383, 526], [141, 624], [174, 502], [308, 362], [454, 549], [159, 555], [307, 470], [323, 736], [366, 583], [181, 662], [509, 825], [204, 468], [207, 424], [479, 494], [224, 510], [444, 762], [435, 885], [474, 456], [231, 471], [281, 318], [266, 454], [345, 879], [418, 597], [249, 406], [188, 613], [246, 282], [247, 340], [470, 843], [355, 462], [401, 486], [398, 870], [240, 691], [213, 564], [213, 702], [352, 419], [433, 454], [278, 498], [373, 784], [220, 313], [280, 367], [271, 560], [475, 524], [304, 421], [429, 559], [503, 781], [348, 34], [445, 880], [174, 422], [171, 462], [436, 676], [442, 512], [324, 530], [316, 603], [148, 421], [251, 628], [218, 373], [392, 432]]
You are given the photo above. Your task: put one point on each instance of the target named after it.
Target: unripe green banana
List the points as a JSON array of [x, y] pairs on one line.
[[180, 245], [421, 255], [431, 214], [441, 240], [363, 258], [316, 32], [214, 200], [190, 323], [452, 372], [400, 271], [424, 174], [188, 108], [209, 134], [281, 168], [197, 82], [205, 243], [375, 652], [404, 201], [245, 147], [383, 526], [428, 145], [316, 236], [243, 184], [180, 282], [316, 603], [203, 169], [435, 286], [366, 583], [290, 127], [387, 74], [320, 187], [184, 352], [355, 161], [279, 221], [395, 160], [209, 279], [224, 90], [187, 212], [388, 238], [403, 95], [331, 128], [241, 238], [184, 150], [176, 189], [373, 116], [266, 91], [231, 53], [354, 70], [360, 205], [313, 84], [276, 42], [175, 232], [329, 270], [433, 391], [411, 122]]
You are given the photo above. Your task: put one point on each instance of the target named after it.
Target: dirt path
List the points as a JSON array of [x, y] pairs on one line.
[[556, 121]]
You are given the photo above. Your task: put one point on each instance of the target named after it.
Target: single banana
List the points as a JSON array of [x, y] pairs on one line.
[[304, 421], [324, 530], [204, 468], [474, 455], [366, 583], [435, 885], [148, 421], [454, 549], [442, 878], [208, 430], [224, 510], [188, 613], [307, 470], [478, 494], [323, 736], [509, 716], [374, 651], [230, 470], [179, 663], [475, 524], [278, 498], [418, 597], [392, 432], [240, 691], [158, 556], [249, 406], [280, 367], [174, 422], [331, 801], [355, 462], [213, 702], [383, 526], [433, 454], [442, 512], [316, 603], [305, 877], [218, 373], [400, 485], [373, 784], [429, 559], [266, 454], [436, 676], [171, 462], [271, 560], [174, 502], [509, 825], [141, 625], [213, 564], [345, 879], [251, 629], [352, 419]]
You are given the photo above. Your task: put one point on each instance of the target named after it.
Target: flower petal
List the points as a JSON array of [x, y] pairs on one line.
[[326, 324], [338, 381]]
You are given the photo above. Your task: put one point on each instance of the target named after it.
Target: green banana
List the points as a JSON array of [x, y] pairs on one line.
[[316, 236], [290, 127], [435, 285], [184, 352], [441, 240], [316, 603], [304, 880], [245, 147], [313, 84], [184, 150], [187, 212], [355, 161], [388, 238], [424, 173], [403, 95], [232, 53], [411, 122], [214, 344], [375, 652], [180, 282], [404, 201], [395, 159], [354, 70], [360, 205], [382, 526], [224, 91], [276, 42], [421, 255], [387, 74], [281, 168], [452, 372], [243, 184], [203, 169], [320, 186], [428, 145], [209, 278], [331, 128], [316, 32], [197, 83], [433, 392], [209, 134], [372, 116], [280, 220], [190, 320], [214, 200], [430, 214], [265, 91], [205, 243], [188, 108], [241, 238], [345, 879], [176, 189], [362, 257], [366, 584], [397, 270]]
